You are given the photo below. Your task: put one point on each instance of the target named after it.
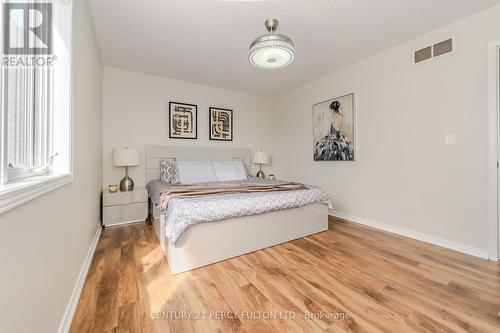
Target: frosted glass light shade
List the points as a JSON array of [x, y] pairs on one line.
[[271, 52], [126, 157], [261, 157]]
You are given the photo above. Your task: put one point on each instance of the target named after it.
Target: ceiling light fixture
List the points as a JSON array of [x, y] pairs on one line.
[[271, 51]]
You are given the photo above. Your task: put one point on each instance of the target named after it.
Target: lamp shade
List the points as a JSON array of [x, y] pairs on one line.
[[125, 157], [260, 157]]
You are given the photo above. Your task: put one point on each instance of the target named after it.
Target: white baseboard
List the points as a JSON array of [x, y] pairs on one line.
[[77, 290], [474, 251]]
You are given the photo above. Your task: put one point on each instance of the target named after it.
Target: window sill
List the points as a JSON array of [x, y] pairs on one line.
[[19, 192]]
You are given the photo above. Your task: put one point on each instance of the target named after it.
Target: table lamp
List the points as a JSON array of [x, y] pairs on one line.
[[260, 158], [126, 157]]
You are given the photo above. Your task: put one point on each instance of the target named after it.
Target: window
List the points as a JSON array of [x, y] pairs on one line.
[[29, 123], [36, 99]]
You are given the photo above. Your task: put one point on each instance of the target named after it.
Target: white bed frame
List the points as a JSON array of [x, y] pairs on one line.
[[207, 243]]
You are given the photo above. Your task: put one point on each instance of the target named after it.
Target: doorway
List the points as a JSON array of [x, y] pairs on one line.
[[494, 149]]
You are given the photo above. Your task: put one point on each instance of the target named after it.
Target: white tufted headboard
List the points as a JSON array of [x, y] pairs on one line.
[[155, 154]]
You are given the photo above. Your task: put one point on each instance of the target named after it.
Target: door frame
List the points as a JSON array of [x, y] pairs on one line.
[[493, 123]]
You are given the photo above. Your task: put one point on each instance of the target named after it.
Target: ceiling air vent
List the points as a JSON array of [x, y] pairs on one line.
[[423, 54], [434, 51], [442, 48]]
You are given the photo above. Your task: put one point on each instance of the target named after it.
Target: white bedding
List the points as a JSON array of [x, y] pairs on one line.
[[193, 172], [229, 170]]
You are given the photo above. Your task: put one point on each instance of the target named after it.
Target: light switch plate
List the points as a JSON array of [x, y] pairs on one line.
[[450, 139]]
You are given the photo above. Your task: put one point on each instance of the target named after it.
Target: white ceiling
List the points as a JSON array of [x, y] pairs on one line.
[[206, 41]]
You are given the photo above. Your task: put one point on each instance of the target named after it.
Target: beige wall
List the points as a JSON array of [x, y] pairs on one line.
[[43, 243], [136, 115], [403, 114]]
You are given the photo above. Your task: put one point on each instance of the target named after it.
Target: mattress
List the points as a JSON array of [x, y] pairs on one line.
[[182, 213]]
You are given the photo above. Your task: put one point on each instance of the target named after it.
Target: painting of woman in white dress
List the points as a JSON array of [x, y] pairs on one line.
[[333, 123]]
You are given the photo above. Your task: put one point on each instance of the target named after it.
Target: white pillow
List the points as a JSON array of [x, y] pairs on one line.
[[192, 172], [229, 170]]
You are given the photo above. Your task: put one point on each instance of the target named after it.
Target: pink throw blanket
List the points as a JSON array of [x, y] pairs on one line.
[[182, 191]]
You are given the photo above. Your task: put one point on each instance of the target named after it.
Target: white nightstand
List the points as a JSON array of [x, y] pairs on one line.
[[125, 207]]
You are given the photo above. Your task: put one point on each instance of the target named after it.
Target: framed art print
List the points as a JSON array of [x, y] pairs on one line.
[[183, 121], [333, 129], [220, 124]]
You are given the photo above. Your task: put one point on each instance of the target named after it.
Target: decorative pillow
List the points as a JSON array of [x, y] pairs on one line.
[[169, 172], [192, 172], [230, 170]]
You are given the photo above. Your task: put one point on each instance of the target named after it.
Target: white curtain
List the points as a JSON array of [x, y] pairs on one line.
[[28, 102]]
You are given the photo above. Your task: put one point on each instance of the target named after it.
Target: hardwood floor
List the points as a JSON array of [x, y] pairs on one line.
[[348, 279]]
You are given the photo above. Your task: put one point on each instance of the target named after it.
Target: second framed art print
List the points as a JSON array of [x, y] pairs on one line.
[[220, 124]]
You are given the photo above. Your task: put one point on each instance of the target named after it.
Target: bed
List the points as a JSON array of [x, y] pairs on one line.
[[202, 244]]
